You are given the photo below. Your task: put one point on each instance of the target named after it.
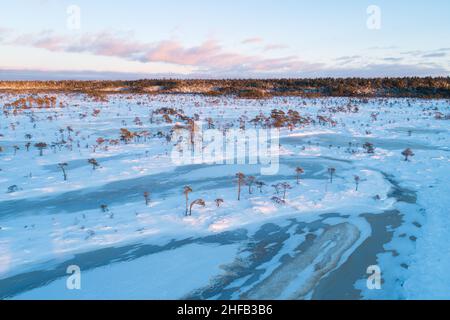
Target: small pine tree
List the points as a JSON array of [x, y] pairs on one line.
[[186, 191], [357, 181], [219, 202], [240, 180], [299, 171], [198, 202], [331, 171], [94, 163], [147, 198], [407, 153], [63, 166], [41, 146], [250, 181]]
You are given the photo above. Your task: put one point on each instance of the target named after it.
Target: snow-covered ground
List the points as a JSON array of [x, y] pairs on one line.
[[252, 248]]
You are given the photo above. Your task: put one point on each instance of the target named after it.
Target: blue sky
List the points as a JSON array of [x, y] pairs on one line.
[[223, 38]]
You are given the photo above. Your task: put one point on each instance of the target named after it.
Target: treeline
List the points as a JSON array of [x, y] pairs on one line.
[[415, 87]]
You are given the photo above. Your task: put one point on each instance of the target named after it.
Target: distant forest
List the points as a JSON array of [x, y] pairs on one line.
[[413, 87]]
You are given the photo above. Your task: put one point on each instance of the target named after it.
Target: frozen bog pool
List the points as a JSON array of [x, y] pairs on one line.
[[185, 268], [317, 244]]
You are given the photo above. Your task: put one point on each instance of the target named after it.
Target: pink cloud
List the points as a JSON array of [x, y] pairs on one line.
[[174, 52], [106, 44], [209, 55]]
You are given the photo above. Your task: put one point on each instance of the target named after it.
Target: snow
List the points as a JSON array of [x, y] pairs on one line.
[[48, 220]]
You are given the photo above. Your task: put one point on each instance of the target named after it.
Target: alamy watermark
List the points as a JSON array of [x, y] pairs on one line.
[[73, 21], [374, 19], [194, 145], [73, 282], [374, 279]]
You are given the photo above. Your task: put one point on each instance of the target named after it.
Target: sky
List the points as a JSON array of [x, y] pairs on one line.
[[134, 39]]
